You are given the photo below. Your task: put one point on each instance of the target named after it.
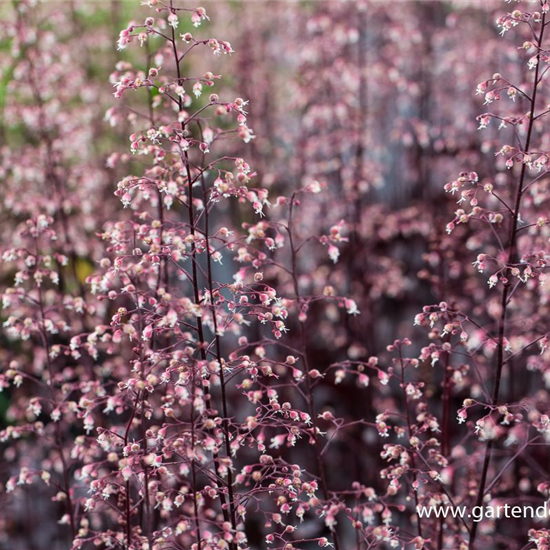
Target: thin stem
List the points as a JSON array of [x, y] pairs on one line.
[[58, 436], [196, 294], [512, 258], [225, 419], [410, 432], [309, 390]]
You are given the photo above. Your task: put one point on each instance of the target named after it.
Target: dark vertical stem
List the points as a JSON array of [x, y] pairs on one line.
[[128, 516], [303, 343], [195, 285], [193, 467], [410, 432], [127, 506], [446, 402], [58, 436], [225, 419], [143, 427], [227, 513], [512, 258]]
